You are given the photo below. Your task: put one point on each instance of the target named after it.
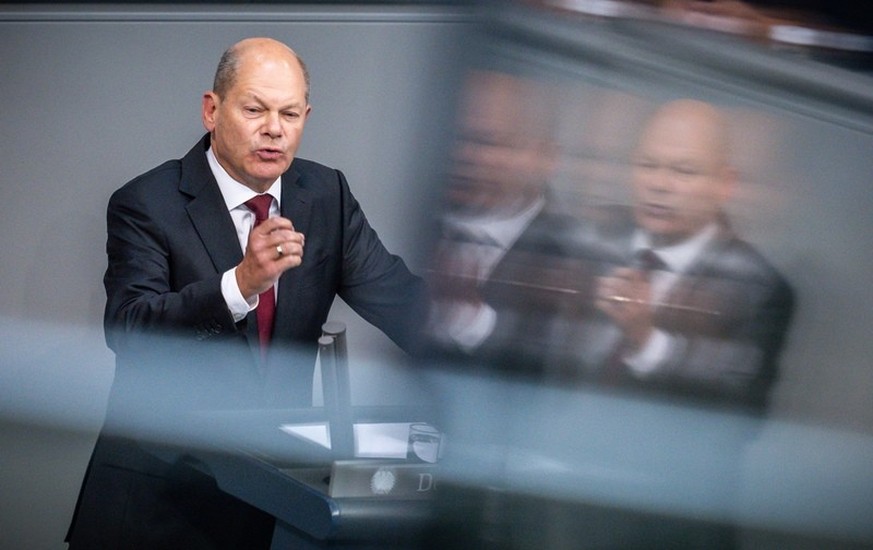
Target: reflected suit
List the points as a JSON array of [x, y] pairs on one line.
[[730, 310], [727, 313], [521, 291]]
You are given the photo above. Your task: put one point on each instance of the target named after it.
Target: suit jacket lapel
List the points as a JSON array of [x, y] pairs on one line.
[[297, 207], [696, 291], [212, 222], [208, 211]]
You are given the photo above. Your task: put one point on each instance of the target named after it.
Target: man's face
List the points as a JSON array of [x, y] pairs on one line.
[[499, 161], [680, 177], [257, 126]]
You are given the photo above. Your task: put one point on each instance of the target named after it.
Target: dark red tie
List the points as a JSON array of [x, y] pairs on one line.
[[260, 205], [647, 260]]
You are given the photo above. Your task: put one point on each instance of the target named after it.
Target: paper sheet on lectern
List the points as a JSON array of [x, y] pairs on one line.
[[372, 440]]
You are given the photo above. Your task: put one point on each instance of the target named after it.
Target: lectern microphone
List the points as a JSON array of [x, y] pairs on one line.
[[336, 389]]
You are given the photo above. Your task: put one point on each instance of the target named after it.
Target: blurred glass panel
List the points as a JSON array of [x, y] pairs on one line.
[[763, 351]]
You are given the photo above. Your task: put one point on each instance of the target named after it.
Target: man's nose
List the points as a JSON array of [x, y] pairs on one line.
[[660, 179], [272, 125]]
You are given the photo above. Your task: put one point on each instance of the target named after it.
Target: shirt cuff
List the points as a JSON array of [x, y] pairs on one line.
[[474, 324], [237, 305], [645, 360]]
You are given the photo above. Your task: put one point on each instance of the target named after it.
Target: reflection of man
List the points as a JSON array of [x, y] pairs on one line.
[[705, 313], [501, 239], [191, 264]]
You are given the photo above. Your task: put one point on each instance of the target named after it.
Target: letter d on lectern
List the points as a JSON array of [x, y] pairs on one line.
[[425, 482]]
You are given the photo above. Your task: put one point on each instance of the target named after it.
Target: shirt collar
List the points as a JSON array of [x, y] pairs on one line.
[[235, 194], [502, 231], [679, 256]]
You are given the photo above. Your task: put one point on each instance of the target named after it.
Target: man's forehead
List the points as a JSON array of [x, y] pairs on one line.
[[687, 138], [274, 81], [270, 94], [269, 70]]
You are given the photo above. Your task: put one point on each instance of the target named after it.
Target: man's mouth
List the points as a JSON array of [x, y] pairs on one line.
[[269, 153], [656, 210]]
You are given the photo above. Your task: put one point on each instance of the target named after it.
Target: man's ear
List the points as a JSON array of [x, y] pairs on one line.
[[209, 109]]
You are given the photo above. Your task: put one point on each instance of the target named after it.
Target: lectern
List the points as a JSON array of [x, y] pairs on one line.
[[304, 467]]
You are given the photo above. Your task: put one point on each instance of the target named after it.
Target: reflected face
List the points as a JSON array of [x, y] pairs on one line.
[[680, 177], [257, 126], [500, 160]]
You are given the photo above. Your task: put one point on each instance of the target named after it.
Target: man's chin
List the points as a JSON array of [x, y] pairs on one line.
[[460, 199], [662, 237], [269, 173], [657, 228]]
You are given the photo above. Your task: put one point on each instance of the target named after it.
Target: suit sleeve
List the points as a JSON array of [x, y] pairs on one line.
[[143, 297], [375, 283], [734, 354]]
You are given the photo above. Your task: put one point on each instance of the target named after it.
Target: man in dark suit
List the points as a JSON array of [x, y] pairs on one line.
[[680, 309], [216, 302], [701, 322], [683, 305], [502, 239]]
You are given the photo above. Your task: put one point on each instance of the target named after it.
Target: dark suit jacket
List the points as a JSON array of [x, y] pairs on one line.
[[178, 349], [534, 283], [729, 313], [548, 329]]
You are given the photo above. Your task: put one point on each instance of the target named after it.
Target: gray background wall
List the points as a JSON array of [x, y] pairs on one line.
[[90, 97]]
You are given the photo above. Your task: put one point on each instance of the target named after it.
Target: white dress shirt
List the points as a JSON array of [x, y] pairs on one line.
[[678, 258], [468, 325]]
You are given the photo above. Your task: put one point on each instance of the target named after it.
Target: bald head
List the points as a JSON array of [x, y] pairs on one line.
[[504, 151], [692, 124], [254, 50], [682, 176], [256, 113]]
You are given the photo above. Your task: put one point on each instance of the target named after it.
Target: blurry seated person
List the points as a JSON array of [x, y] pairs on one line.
[[501, 240], [682, 303]]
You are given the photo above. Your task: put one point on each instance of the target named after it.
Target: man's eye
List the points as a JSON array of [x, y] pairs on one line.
[[291, 114], [252, 110], [685, 170]]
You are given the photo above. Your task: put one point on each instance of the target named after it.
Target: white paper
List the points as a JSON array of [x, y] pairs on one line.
[[372, 440]]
